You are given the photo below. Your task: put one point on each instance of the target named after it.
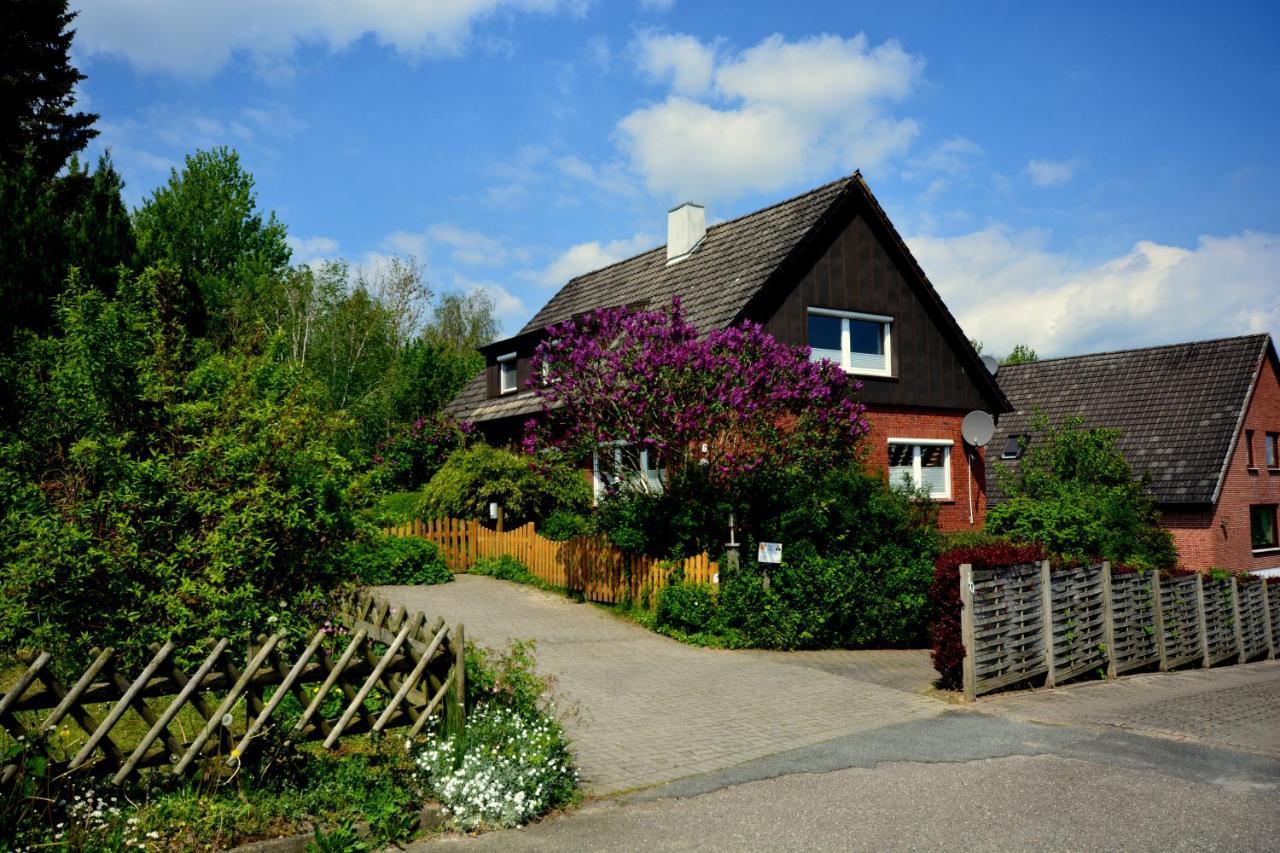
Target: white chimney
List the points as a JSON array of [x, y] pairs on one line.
[[686, 226]]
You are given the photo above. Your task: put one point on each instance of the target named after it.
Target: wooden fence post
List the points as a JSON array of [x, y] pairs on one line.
[[967, 633], [1204, 635], [1046, 621], [1157, 614], [1267, 627], [460, 674], [1108, 620], [1235, 617]]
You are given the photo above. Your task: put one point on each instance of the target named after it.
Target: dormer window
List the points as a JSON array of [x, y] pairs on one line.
[[1013, 447], [859, 343], [507, 373]]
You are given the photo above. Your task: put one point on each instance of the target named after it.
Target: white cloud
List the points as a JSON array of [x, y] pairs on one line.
[[585, 257], [1006, 288], [683, 60], [312, 251], [471, 248], [776, 113], [611, 177], [1051, 173], [198, 37], [657, 5]]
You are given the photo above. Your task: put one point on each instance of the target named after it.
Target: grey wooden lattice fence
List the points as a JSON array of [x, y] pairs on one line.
[[411, 664], [1023, 622]]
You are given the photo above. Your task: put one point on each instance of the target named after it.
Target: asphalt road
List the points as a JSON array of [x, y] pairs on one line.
[[963, 780]]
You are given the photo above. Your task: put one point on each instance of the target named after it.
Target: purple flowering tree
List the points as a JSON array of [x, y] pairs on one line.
[[728, 402]]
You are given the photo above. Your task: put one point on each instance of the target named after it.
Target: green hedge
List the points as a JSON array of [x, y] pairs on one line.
[[384, 560]]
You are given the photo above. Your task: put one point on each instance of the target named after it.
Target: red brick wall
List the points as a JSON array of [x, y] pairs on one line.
[[934, 423], [1221, 538]]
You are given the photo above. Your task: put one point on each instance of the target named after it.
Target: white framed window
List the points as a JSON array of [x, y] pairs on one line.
[[859, 343], [616, 462], [925, 463], [506, 373]]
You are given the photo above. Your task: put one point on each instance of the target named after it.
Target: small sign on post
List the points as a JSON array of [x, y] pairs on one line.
[[769, 552], [493, 510]]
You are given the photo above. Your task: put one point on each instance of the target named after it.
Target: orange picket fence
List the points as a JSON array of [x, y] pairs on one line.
[[586, 564]]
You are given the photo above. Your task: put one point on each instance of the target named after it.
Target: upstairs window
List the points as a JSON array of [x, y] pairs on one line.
[[1273, 450], [859, 343], [922, 463], [1248, 448], [506, 373], [1262, 526]]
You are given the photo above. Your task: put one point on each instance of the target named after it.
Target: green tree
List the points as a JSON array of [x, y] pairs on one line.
[[50, 227], [206, 224], [37, 88], [1020, 354], [1075, 493]]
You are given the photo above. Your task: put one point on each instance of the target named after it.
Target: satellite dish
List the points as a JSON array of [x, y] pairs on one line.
[[977, 428], [992, 364]]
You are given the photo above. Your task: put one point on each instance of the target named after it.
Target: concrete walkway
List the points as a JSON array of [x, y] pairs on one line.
[[643, 709]]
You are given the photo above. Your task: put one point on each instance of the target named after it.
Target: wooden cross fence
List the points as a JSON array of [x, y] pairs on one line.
[[587, 564], [410, 664], [1027, 621]]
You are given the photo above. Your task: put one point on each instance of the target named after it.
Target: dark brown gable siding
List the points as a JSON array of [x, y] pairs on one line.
[[857, 273]]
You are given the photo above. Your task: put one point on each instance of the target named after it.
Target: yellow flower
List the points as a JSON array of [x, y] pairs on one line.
[[235, 753]]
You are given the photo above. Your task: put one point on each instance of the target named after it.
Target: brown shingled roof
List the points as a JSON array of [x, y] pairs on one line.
[[1178, 408], [717, 283]]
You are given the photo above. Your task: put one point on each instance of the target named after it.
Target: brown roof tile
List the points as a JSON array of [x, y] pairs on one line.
[[1177, 407]]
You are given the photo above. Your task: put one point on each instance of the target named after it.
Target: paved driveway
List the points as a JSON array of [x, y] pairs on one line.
[[644, 709], [1231, 707]]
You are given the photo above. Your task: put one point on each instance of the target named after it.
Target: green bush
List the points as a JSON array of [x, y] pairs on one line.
[[678, 522], [684, 606], [504, 568], [527, 488], [381, 560], [563, 524], [151, 491], [394, 508], [1075, 493], [857, 564]]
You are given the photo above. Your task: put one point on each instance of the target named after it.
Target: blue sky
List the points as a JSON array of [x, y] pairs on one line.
[[1074, 176]]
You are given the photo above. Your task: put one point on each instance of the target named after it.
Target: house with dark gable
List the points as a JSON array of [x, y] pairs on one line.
[[1200, 422], [825, 269]]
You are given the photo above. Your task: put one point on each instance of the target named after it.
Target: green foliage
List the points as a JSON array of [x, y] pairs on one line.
[[685, 606], [144, 499], [279, 789], [857, 563], [969, 539], [1075, 493], [50, 226], [205, 224], [378, 560], [37, 87], [526, 488], [1021, 354], [507, 677], [686, 519], [504, 568], [343, 838], [563, 524], [394, 508]]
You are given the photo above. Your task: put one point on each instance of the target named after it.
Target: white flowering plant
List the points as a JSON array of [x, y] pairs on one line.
[[514, 767]]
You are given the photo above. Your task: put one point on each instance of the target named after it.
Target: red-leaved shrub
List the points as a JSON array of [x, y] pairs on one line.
[[948, 645]]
